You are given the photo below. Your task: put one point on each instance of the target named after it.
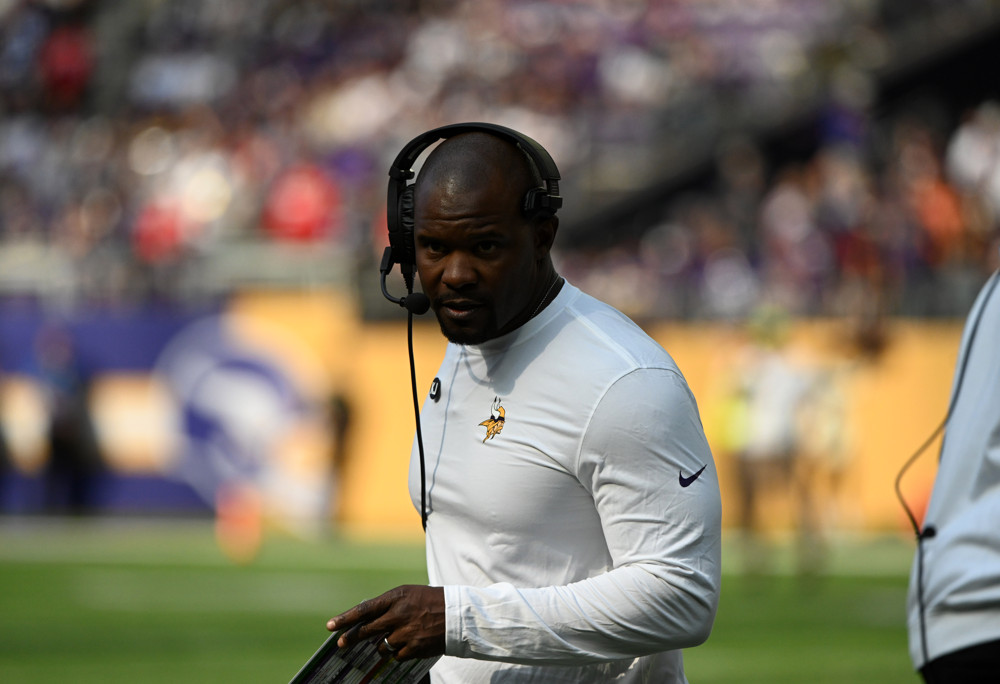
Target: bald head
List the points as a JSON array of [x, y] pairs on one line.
[[468, 163]]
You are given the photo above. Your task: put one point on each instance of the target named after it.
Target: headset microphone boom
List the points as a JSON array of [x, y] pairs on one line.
[[414, 302]]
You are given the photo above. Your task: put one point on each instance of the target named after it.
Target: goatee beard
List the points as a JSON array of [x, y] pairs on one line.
[[465, 337]]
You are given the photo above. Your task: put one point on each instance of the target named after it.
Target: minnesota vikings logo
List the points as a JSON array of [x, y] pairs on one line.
[[495, 423]]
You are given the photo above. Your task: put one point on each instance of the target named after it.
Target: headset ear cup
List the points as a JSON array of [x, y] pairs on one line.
[[529, 205], [534, 205], [406, 250]]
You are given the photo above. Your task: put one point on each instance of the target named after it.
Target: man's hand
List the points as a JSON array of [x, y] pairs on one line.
[[410, 618]]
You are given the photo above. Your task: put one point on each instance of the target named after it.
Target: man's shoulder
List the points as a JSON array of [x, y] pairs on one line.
[[603, 329]]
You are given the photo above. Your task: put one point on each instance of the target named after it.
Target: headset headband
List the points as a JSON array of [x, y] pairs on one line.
[[402, 168]]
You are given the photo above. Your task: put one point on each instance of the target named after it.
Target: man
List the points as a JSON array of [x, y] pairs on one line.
[[954, 597], [574, 524]]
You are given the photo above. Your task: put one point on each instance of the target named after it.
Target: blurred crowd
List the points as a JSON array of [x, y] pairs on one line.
[[905, 225], [141, 140]]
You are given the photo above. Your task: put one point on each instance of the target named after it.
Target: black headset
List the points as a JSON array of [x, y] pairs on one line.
[[537, 202]]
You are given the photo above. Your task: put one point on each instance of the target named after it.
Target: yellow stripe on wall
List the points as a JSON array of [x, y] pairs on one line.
[[892, 404]]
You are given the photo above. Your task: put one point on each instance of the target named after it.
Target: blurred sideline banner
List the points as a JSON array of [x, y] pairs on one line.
[[294, 395]]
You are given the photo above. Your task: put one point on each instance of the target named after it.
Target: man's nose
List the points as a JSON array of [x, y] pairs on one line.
[[459, 271]]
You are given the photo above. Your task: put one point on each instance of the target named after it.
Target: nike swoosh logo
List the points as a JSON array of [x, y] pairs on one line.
[[686, 481]]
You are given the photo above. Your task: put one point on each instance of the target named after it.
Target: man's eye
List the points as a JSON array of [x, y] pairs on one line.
[[486, 247]]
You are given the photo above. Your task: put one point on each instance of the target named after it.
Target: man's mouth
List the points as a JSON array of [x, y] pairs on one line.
[[459, 308]]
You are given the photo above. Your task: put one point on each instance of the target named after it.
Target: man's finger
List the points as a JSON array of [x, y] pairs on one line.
[[358, 633], [363, 612]]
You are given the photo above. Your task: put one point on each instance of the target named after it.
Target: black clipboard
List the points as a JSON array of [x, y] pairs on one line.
[[360, 664]]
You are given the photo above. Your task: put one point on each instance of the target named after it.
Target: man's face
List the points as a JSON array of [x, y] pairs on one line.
[[478, 260]]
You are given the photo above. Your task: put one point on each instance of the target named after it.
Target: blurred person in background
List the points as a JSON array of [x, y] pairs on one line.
[[762, 427], [75, 464], [338, 415], [954, 594], [5, 462], [823, 459], [573, 535]]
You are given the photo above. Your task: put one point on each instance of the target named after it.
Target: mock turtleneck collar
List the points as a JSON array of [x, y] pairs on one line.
[[533, 325]]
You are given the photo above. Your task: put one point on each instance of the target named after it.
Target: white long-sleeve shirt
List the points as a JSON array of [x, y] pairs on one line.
[[578, 540], [961, 583]]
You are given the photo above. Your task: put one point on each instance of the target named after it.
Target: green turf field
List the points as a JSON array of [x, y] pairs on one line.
[[156, 602]]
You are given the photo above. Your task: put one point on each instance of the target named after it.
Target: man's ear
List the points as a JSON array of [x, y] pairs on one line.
[[545, 235]]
